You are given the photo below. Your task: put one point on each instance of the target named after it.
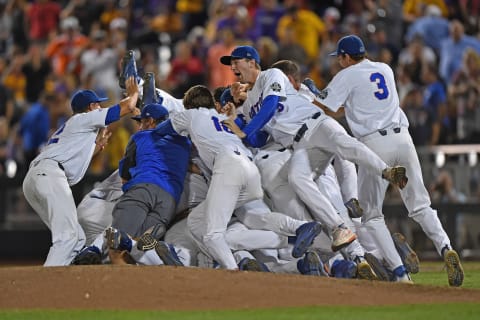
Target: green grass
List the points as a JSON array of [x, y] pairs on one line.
[[431, 273]]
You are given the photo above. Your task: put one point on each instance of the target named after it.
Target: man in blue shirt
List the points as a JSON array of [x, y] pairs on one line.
[[153, 171]]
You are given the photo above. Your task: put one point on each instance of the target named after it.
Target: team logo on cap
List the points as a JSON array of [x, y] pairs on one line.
[[276, 87]]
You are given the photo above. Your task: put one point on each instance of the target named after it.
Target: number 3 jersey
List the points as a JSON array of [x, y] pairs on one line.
[[368, 92], [207, 132]]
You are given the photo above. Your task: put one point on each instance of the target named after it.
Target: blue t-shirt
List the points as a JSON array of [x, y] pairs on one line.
[[160, 160]]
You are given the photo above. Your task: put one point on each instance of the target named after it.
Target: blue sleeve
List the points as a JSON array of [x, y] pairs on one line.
[[240, 121], [113, 114], [165, 128], [267, 110], [257, 140]]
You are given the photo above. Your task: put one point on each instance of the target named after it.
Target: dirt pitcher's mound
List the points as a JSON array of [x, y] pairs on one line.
[[171, 288]]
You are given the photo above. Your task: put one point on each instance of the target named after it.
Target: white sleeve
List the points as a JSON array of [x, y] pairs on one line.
[[172, 104], [274, 83], [90, 120], [336, 93], [181, 121], [305, 92]]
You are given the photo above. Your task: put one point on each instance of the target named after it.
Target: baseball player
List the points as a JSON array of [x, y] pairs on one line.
[[367, 91], [63, 163], [235, 179], [273, 107]]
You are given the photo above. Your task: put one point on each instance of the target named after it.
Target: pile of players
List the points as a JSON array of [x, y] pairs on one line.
[[258, 177]]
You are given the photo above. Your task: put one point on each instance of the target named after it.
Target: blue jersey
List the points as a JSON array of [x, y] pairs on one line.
[[160, 160]]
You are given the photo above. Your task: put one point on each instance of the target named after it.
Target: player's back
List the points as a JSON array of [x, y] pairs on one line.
[[208, 133], [372, 101]]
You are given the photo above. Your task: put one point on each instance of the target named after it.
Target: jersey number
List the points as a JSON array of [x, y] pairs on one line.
[[220, 126], [54, 138], [379, 79]]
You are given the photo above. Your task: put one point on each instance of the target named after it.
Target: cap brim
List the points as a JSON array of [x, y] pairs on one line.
[[137, 118], [333, 54], [102, 99], [226, 60]]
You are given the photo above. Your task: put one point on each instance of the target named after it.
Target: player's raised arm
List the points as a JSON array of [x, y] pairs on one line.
[[128, 104]]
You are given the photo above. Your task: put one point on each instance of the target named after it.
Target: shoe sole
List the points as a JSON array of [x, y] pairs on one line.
[[300, 249], [409, 257], [344, 244], [365, 271], [146, 242], [377, 267], [110, 237], [454, 269], [163, 251], [314, 264]]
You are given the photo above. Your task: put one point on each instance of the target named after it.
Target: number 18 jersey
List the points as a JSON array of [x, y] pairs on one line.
[[368, 92]]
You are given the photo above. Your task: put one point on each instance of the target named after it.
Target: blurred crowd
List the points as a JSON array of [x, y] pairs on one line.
[[49, 49]]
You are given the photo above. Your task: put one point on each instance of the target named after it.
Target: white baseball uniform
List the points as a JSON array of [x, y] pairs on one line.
[[235, 179], [368, 92], [324, 138], [61, 164]]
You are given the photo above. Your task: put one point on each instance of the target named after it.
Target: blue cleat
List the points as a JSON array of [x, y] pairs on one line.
[[401, 275], [167, 253], [118, 240], [306, 233], [129, 69], [311, 265], [88, 255], [150, 93], [346, 269], [247, 264]]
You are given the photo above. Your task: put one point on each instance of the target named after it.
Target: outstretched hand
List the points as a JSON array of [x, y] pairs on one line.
[[230, 124], [133, 92]]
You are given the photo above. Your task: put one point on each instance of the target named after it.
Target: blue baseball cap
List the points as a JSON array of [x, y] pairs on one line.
[[153, 110], [82, 98], [226, 97], [351, 45], [241, 52]]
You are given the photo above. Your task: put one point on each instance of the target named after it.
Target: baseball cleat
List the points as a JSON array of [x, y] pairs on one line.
[[88, 255], [383, 274], [117, 239], [364, 270], [342, 237], [150, 94], [346, 269], [454, 268], [354, 209], [306, 233], [409, 257], [401, 275], [310, 84], [396, 176], [146, 242], [311, 264], [167, 253], [129, 69], [247, 264]]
